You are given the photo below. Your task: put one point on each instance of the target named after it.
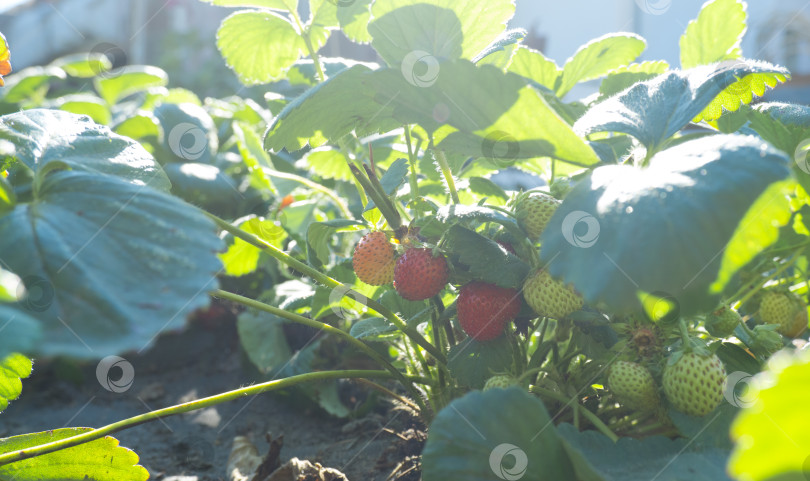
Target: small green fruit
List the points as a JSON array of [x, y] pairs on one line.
[[694, 383], [501, 381], [533, 211], [722, 322], [633, 386], [549, 297]]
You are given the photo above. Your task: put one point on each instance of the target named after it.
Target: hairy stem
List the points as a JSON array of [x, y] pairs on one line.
[[98, 433], [327, 281]]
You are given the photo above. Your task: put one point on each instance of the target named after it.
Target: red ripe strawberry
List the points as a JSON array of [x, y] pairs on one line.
[[484, 309], [374, 259], [418, 275]]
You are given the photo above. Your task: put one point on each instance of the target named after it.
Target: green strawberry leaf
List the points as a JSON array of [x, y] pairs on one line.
[[45, 136], [353, 16], [479, 437], [319, 234], [787, 127], [715, 35], [471, 215], [30, 84], [499, 53], [190, 134], [403, 31], [329, 110], [206, 187], [481, 111], [140, 125], [85, 104], [158, 253], [709, 431], [598, 57], [771, 431], [99, 459], [374, 329], [262, 337], [486, 188], [654, 110], [624, 77], [688, 252], [13, 368], [536, 67], [485, 259], [244, 38], [596, 458], [21, 332], [741, 93], [83, 65], [129, 80]]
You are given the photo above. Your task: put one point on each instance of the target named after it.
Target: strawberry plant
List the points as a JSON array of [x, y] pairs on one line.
[[550, 334]]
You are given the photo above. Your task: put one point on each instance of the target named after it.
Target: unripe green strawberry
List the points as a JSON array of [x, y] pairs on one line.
[[485, 309], [786, 310], [533, 212], [722, 322], [633, 386], [765, 340], [549, 297], [374, 258], [501, 381], [418, 275], [694, 383]]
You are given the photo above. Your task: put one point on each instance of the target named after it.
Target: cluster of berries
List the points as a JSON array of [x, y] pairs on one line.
[[484, 310]]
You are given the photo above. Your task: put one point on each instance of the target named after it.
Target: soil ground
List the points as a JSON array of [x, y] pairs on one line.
[[199, 362]]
